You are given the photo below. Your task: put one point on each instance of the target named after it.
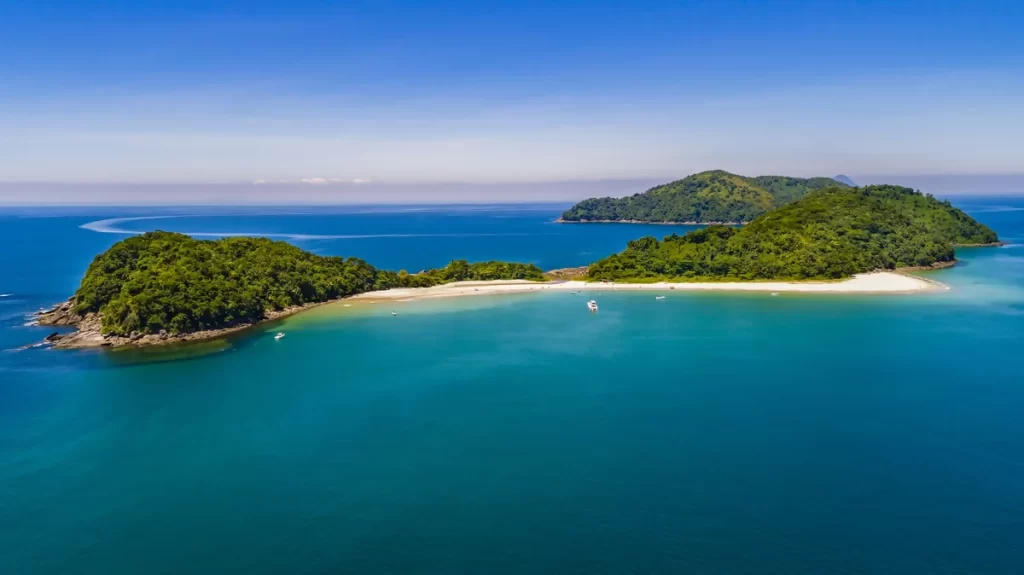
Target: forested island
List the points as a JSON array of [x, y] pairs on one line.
[[830, 234], [164, 287], [169, 285], [708, 197]]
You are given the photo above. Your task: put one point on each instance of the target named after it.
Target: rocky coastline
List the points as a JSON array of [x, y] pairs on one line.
[[88, 333], [568, 273]]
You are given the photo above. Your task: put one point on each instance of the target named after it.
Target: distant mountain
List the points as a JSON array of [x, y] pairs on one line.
[[845, 179], [708, 197]]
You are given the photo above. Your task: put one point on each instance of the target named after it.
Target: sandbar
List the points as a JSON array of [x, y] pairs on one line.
[[867, 283]]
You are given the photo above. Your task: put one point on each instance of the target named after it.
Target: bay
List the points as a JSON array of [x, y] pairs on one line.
[[706, 432]]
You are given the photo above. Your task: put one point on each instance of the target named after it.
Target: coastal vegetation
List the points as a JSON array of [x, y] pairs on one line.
[[162, 281], [708, 197], [162, 286], [831, 233]]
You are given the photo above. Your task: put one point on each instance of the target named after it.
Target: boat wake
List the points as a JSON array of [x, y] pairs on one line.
[[112, 226]]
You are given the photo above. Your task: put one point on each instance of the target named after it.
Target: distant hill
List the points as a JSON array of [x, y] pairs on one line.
[[845, 180], [830, 234], [708, 197]]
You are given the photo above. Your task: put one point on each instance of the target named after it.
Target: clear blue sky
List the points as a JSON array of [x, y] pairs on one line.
[[476, 91]]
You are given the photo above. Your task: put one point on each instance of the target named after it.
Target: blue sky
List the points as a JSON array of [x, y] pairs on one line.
[[506, 92]]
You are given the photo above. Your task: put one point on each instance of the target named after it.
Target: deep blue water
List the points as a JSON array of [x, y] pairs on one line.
[[734, 433]]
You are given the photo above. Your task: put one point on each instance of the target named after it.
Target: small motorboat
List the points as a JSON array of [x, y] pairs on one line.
[[592, 306], [660, 297], [394, 313], [775, 293], [279, 335]]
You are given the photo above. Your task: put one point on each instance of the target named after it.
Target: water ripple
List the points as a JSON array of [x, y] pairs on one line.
[[111, 226]]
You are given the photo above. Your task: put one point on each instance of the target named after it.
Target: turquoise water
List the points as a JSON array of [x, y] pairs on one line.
[[701, 433]]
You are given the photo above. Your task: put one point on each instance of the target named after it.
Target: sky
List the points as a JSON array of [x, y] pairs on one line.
[[268, 98]]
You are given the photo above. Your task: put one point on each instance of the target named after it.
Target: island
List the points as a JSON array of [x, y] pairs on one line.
[[713, 197], [830, 234], [163, 287]]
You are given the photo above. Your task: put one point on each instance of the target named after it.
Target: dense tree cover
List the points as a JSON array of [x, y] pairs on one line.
[[707, 197], [167, 281], [832, 233]]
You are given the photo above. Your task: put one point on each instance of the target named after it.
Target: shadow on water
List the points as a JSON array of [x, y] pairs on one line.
[[187, 351]]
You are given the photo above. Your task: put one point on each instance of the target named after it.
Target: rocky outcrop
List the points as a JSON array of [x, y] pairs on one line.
[[88, 332], [568, 273], [61, 314]]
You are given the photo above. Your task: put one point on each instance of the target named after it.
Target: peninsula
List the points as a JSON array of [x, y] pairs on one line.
[[163, 287], [714, 197]]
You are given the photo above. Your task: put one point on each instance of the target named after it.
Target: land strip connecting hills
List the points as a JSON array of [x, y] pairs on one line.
[[801, 235]]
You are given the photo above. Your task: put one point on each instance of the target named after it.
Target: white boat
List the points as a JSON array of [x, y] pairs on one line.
[[394, 313], [592, 306], [775, 293], [659, 297], [279, 335]]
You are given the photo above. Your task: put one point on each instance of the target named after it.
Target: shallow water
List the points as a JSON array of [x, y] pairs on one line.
[[705, 432]]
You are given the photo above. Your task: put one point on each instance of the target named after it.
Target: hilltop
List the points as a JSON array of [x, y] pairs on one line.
[[708, 197], [830, 234]]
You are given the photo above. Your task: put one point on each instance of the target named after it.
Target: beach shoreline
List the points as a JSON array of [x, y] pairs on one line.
[[867, 283], [88, 335]]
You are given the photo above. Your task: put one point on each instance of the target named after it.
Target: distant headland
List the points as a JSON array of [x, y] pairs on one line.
[[712, 197]]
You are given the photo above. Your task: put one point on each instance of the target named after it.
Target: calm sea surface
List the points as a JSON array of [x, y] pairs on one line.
[[705, 432]]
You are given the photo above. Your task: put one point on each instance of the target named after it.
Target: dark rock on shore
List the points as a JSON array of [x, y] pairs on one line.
[[61, 314], [568, 273]]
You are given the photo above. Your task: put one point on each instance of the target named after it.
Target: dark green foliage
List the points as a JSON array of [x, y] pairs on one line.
[[167, 281], [832, 233], [707, 197]]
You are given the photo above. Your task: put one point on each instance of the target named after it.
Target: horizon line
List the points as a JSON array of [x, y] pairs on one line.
[[319, 182]]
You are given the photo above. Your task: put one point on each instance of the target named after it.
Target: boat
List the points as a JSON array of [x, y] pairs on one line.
[[279, 335], [660, 297], [592, 306], [394, 313], [775, 293]]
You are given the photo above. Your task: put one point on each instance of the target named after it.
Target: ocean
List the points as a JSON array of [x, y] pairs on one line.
[[702, 433]]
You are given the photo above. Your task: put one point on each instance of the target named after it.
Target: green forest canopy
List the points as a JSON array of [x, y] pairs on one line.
[[708, 197], [832, 233], [167, 281]]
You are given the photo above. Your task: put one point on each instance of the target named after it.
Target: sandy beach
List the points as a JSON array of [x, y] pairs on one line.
[[88, 334], [870, 283]]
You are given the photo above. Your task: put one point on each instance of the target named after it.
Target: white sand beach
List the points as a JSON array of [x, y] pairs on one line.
[[870, 283]]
